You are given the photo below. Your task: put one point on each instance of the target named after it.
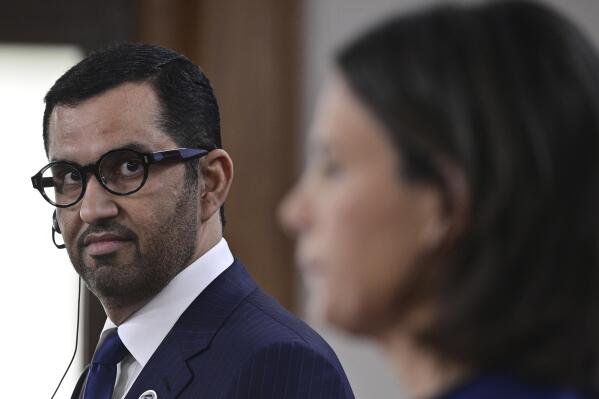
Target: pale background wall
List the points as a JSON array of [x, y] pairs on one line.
[[327, 24], [38, 298]]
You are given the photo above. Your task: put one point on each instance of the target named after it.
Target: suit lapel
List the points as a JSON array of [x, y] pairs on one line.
[[167, 372]]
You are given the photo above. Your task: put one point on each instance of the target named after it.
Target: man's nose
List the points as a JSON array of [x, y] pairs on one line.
[[97, 203]]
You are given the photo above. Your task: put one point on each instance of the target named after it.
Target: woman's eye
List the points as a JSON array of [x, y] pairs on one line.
[[330, 168]]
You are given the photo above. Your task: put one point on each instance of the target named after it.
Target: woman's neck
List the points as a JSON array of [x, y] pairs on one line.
[[423, 374]]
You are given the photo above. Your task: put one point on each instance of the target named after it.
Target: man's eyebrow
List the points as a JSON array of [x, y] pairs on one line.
[[135, 146]]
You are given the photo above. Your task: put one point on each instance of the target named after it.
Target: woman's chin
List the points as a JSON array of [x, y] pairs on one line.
[[323, 310]]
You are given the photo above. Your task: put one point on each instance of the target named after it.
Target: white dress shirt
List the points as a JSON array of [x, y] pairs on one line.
[[143, 331]]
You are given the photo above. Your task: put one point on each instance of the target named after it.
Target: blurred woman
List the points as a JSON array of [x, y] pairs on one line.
[[449, 203]]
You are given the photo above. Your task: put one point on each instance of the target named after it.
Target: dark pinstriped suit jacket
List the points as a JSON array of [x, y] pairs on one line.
[[234, 341]]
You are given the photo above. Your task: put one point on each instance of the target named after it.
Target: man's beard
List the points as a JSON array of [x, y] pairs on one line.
[[169, 246]]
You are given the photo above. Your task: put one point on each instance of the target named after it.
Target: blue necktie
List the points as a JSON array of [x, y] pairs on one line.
[[102, 371]]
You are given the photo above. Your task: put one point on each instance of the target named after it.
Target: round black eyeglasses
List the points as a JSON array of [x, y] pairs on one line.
[[120, 172]]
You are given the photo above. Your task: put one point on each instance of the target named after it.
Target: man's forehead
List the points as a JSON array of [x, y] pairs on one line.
[[127, 113]]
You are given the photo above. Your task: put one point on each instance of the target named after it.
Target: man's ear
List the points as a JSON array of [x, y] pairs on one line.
[[217, 176]]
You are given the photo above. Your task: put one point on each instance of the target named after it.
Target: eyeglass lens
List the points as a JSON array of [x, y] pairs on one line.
[[121, 172]]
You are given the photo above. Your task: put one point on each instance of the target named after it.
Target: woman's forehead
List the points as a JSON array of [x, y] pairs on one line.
[[342, 121]]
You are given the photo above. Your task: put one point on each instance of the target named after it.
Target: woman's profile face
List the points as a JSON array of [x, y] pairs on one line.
[[360, 226]]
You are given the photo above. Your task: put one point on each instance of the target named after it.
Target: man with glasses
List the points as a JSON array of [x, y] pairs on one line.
[[138, 179]]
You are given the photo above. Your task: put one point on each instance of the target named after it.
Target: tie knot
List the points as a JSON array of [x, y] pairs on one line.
[[111, 351]]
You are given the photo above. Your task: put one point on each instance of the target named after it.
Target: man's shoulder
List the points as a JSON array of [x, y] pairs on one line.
[[263, 322], [239, 342], [277, 354], [248, 316]]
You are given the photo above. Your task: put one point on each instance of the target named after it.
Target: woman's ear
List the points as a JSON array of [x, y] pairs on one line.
[[457, 197], [217, 176], [444, 208]]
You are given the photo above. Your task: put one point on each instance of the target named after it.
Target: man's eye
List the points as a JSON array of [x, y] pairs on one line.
[[131, 168], [72, 178]]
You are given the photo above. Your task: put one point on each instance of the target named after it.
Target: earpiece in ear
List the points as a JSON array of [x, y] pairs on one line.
[[56, 229], [55, 225]]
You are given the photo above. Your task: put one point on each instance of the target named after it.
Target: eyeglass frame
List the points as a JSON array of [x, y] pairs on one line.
[[178, 154]]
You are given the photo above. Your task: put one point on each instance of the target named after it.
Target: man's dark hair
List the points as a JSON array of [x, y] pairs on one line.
[[189, 111], [508, 92]]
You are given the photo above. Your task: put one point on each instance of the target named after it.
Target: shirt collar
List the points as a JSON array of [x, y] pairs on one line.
[[143, 332]]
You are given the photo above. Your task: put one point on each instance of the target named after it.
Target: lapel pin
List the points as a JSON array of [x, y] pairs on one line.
[[149, 394]]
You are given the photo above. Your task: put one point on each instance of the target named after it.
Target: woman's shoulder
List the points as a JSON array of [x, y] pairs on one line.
[[503, 386]]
